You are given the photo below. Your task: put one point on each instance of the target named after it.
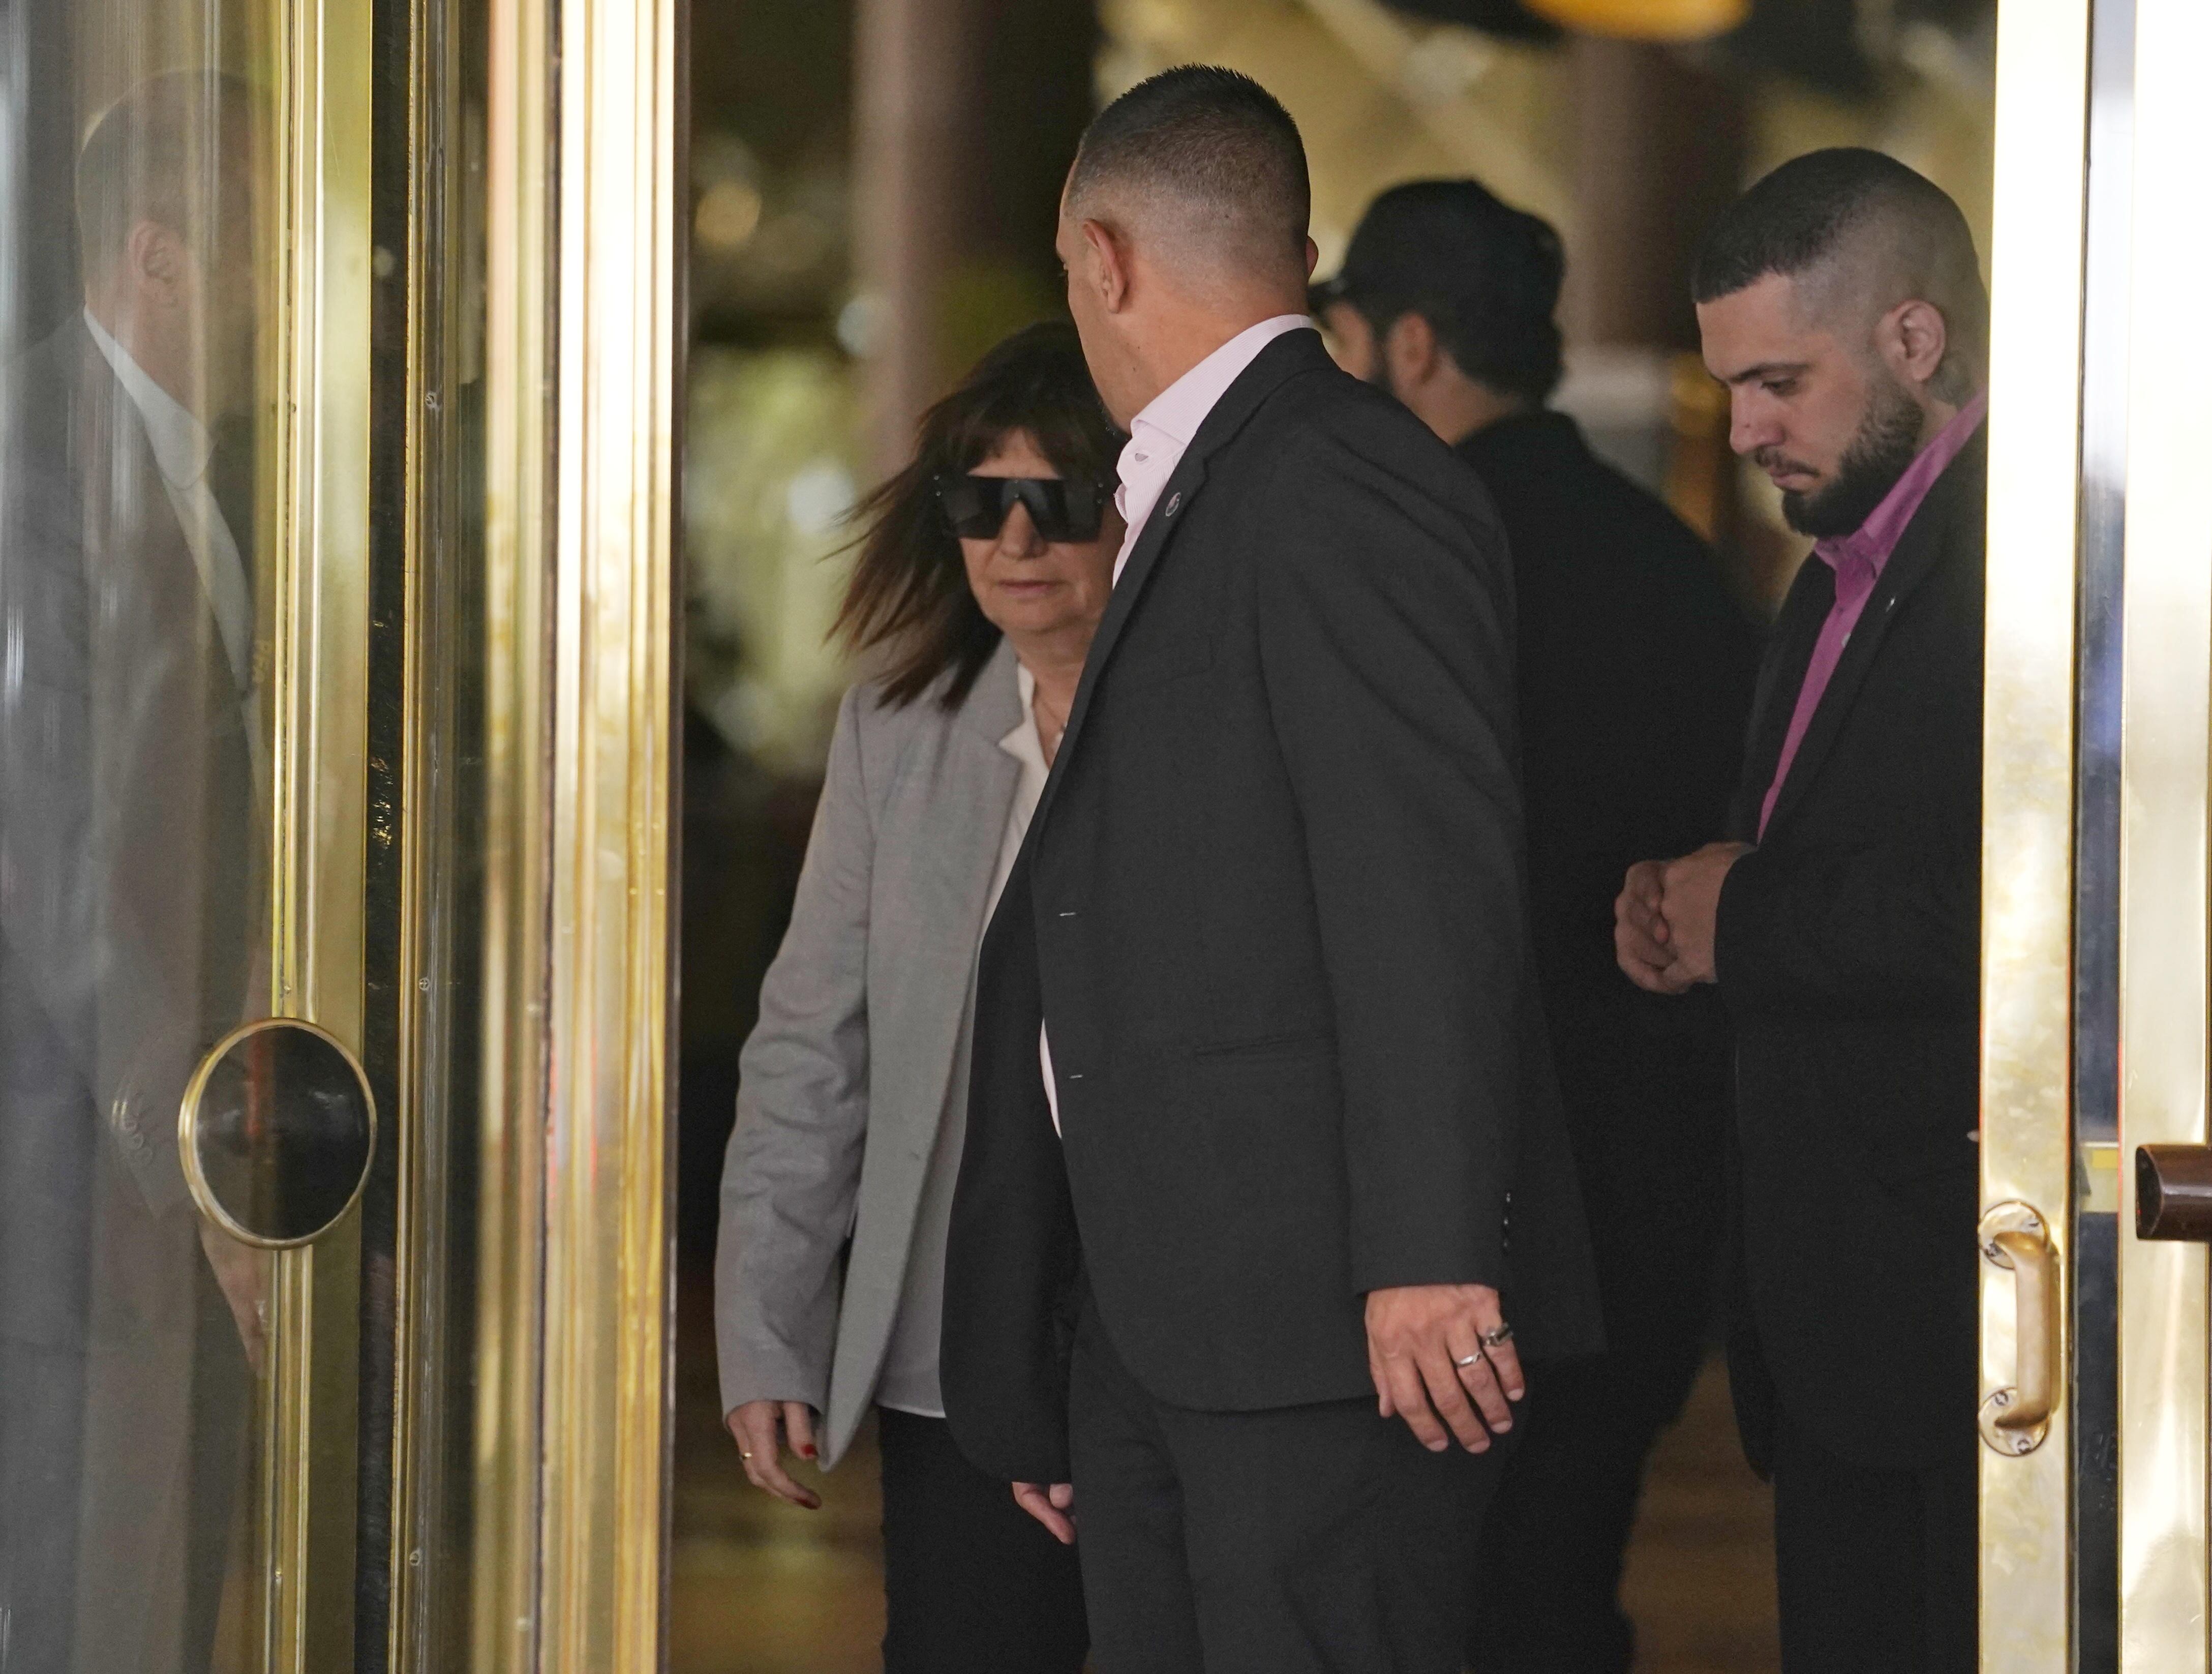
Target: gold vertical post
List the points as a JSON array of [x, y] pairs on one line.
[[2167, 698], [315, 635], [2034, 431], [606, 1329], [583, 350], [519, 372]]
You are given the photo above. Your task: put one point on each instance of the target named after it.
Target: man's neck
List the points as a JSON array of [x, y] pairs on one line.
[[1182, 340], [169, 364], [1457, 413]]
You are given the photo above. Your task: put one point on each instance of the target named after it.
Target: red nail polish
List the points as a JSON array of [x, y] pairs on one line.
[[806, 1452]]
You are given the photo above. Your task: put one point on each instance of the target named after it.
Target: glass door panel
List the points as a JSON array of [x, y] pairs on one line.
[[2097, 1381], [184, 272]]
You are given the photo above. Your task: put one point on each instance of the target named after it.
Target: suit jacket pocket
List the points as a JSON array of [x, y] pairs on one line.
[[1291, 1043]]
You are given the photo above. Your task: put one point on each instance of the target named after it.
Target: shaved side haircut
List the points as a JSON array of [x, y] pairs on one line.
[[1204, 162], [1860, 233]]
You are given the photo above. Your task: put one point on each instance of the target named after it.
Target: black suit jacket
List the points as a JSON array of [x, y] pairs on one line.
[[1272, 902], [1636, 672], [1849, 955]]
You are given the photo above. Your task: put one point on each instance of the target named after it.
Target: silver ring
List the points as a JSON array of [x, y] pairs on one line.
[[1497, 1337], [1475, 1359], [743, 1455]]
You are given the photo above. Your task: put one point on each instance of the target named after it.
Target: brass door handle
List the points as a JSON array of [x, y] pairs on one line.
[[276, 1132], [2016, 1417], [2173, 1192]]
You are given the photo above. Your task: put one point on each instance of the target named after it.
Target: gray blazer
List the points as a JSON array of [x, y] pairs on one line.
[[845, 1080]]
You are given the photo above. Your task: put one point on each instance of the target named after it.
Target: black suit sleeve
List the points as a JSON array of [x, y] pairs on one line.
[[1385, 614], [1851, 925]]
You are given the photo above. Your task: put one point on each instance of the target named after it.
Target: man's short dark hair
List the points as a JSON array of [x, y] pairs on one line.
[[1212, 141], [1902, 231], [1486, 275]]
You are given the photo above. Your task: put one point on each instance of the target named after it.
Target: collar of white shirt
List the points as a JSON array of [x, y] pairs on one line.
[[1159, 433], [182, 446]]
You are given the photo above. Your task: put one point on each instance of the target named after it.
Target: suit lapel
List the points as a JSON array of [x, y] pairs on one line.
[[1288, 355], [1780, 676], [1926, 539]]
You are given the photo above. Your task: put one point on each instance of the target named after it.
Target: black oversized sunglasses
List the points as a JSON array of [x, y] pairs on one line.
[[1063, 508]]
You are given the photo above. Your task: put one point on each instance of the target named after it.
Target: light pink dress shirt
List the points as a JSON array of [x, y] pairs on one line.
[[1158, 436], [1858, 560]]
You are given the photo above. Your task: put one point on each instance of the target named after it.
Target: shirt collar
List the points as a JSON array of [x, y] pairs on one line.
[[1873, 540], [181, 443], [1024, 743], [1177, 411]]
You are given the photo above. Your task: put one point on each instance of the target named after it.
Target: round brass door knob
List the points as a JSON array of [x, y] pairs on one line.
[[276, 1132]]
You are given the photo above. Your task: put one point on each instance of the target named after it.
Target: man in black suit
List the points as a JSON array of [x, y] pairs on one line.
[[1251, 1317], [1636, 672], [1841, 302], [129, 866]]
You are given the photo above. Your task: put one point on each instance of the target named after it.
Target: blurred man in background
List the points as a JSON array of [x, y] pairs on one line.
[[130, 868], [1841, 302], [1635, 673]]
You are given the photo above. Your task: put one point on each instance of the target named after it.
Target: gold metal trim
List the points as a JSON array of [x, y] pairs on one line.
[[607, 1337], [188, 1117], [2167, 694], [520, 371], [315, 448], [2034, 431]]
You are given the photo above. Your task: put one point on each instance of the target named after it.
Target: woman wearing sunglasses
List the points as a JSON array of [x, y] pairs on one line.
[[985, 566]]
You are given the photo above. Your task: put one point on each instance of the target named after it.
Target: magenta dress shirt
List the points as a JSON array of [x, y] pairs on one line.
[[1858, 560]]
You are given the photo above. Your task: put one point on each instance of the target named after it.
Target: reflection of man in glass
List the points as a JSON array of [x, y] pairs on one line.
[[129, 864]]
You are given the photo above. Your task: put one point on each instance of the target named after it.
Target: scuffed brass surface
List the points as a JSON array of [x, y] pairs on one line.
[[2167, 696], [2027, 1581]]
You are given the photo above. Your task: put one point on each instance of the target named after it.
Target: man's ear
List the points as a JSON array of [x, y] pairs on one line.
[[1410, 349], [1313, 258], [1108, 265], [153, 260], [1914, 339]]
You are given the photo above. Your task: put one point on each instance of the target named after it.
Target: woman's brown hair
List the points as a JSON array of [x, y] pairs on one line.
[[909, 590]]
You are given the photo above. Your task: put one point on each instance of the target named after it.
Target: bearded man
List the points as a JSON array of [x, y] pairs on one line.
[[1841, 303]]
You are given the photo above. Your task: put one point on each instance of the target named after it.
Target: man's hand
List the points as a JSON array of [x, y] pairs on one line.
[[1691, 890], [763, 1429], [1426, 1351], [1054, 1506], [1642, 940], [243, 1273]]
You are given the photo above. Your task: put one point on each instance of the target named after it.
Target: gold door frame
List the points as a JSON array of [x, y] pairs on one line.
[[2167, 795], [582, 356], [2034, 425], [315, 447], [2153, 352]]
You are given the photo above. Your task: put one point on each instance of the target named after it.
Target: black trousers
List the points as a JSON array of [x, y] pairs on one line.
[[1875, 1569], [1547, 1590], [1308, 1540], [971, 1581]]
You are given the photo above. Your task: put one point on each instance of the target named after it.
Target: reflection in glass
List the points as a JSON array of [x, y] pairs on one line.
[[279, 1127], [133, 779]]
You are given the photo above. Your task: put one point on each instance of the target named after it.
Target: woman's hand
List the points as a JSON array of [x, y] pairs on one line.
[[1053, 1506], [763, 1429]]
